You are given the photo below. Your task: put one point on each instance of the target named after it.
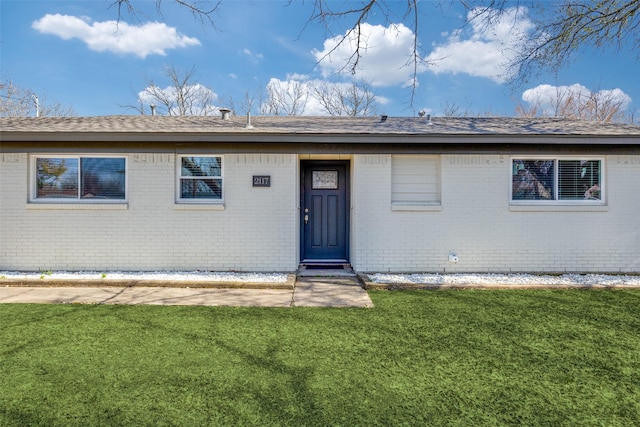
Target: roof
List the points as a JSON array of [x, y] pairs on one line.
[[317, 125], [310, 129]]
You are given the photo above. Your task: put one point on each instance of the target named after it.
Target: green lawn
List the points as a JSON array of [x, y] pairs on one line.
[[431, 358]]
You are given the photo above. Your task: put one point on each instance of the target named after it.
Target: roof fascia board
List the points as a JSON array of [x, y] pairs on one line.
[[343, 138], [315, 148]]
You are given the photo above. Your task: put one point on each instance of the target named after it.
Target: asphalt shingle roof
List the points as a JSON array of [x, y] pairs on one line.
[[273, 125]]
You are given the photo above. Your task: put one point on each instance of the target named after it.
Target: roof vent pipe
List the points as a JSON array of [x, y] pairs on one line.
[[429, 122], [383, 118], [225, 113], [248, 125], [153, 109], [37, 102]]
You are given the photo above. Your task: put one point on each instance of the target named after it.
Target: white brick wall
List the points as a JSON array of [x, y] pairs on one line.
[[475, 222], [258, 228], [256, 231]]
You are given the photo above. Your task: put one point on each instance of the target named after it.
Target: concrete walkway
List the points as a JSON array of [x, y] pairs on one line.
[[330, 292], [307, 292]]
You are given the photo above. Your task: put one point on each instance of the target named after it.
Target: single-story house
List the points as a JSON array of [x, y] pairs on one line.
[[385, 194]]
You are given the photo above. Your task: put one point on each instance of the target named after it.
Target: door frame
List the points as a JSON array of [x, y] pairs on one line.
[[309, 163]]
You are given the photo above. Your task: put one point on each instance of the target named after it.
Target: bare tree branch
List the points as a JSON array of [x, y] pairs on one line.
[[182, 97], [355, 99], [328, 13], [289, 99], [579, 104], [563, 28], [323, 14], [205, 11], [19, 102], [454, 109]]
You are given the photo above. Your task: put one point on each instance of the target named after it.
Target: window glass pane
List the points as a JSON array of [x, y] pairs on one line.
[[103, 178], [533, 180], [201, 166], [324, 180], [201, 188], [579, 180], [57, 178]]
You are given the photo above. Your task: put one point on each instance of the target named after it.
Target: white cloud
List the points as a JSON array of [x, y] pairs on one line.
[[550, 98], [253, 56], [297, 76], [384, 59], [382, 100], [487, 50], [152, 38]]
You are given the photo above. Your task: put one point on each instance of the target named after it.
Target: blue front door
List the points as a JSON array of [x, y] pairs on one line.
[[324, 211]]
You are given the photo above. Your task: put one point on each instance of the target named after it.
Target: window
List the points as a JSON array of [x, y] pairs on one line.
[[415, 180], [199, 178], [78, 178], [565, 180]]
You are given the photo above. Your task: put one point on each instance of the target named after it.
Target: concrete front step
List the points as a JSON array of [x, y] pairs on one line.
[[341, 291], [325, 270]]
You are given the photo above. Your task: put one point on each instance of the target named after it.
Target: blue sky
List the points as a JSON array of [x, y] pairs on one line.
[[69, 52]]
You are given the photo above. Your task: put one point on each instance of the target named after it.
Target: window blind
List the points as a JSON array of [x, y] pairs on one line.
[[415, 179]]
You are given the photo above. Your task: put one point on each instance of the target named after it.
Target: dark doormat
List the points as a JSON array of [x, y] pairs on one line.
[[324, 267]]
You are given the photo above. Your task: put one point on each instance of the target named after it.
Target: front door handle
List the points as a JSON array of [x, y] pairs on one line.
[[306, 219]]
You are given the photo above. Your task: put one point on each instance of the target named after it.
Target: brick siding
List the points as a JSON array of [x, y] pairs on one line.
[[258, 229], [475, 221], [255, 232]]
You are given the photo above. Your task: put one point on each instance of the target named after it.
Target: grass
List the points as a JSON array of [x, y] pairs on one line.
[[561, 358]]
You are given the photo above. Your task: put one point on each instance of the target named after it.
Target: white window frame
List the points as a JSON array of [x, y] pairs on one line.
[[33, 192], [556, 201], [179, 178]]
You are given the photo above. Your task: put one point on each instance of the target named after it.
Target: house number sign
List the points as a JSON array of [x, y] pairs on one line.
[[262, 180]]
